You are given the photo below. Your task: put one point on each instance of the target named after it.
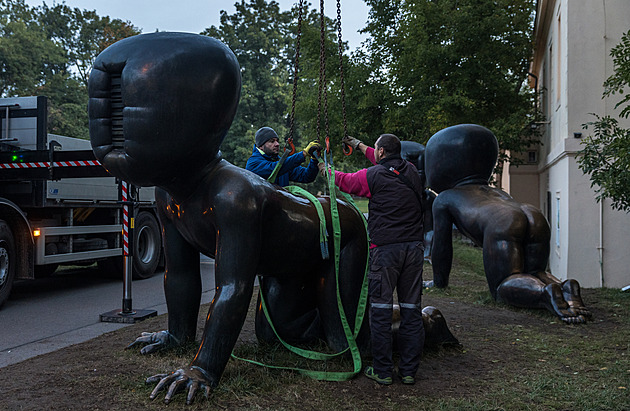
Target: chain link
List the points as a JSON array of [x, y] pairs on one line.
[[342, 82], [296, 69], [322, 66]]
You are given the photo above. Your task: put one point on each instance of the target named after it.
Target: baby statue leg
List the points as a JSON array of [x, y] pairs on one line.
[[524, 290], [537, 256], [291, 304]]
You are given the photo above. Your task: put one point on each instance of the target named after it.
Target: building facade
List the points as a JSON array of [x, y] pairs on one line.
[[590, 242]]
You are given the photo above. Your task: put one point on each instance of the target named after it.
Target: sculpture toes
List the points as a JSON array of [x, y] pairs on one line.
[[585, 312], [579, 319]]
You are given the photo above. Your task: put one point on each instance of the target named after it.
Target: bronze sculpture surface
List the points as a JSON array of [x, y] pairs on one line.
[[160, 105], [414, 153], [459, 162]]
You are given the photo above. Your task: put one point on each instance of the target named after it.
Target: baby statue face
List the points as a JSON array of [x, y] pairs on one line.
[[458, 155], [161, 104]]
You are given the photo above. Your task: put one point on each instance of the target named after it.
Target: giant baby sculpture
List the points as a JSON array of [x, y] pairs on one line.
[[414, 153], [459, 162], [160, 105]]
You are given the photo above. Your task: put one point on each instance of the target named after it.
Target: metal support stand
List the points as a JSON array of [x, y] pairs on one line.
[[127, 314]]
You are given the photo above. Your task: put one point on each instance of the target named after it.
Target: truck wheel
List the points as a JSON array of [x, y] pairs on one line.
[[7, 261], [147, 247]]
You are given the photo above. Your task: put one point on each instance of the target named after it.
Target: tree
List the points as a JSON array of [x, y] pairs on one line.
[[82, 34], [263, 38], [49, 51], [256, 33], [27, 57], [606, 154], [451, 62]]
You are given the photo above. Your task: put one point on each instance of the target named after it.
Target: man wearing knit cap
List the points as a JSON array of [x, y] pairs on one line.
[[265, 157]]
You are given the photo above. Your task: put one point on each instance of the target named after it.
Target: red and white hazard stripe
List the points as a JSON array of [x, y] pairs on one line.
[[125, 196], [24, 165], [76, 163], [46, 164]]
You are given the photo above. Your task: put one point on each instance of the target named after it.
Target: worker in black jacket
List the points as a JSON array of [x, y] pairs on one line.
[[396, 253]]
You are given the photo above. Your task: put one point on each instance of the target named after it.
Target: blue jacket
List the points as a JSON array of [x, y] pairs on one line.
[[291, 170]]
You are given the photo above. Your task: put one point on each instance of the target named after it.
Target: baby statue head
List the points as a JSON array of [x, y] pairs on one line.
[[458, 155], [160, 104]]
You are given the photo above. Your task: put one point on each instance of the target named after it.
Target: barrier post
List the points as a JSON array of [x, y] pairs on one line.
[[127, 314]]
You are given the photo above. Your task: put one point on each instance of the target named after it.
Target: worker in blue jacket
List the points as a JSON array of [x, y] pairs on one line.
[[266, 155]]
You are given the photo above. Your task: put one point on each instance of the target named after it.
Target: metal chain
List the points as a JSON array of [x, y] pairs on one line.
[[322, 66], [296, 68], [342, 83]]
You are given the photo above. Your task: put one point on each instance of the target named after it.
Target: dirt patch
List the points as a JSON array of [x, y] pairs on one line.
[[101, 375]]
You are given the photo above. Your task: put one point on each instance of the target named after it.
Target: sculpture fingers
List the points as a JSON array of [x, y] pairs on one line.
[[156, 340], [155, 378], [192, 378], [176, 386], [144, 338], [163, 382], [192, 390], [151, 348]]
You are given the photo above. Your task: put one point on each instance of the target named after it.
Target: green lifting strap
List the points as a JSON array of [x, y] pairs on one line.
[[276, 169], [361, 307], [323, 233]]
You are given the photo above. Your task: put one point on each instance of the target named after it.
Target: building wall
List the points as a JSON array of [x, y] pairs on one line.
[[523, 184], [572, 61]]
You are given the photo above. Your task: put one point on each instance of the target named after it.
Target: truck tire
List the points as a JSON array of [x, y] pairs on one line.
[[147, 247], [146, 252], [7, 261]]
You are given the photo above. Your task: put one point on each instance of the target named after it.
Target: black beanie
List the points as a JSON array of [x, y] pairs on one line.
[[264, 134]]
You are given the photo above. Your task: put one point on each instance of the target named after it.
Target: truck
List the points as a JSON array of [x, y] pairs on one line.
[[59, 206]]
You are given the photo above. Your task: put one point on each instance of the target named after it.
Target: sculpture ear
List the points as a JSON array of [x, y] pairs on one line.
[[99, 111]]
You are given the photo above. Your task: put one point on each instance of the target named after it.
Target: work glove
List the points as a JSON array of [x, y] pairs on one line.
[[351, 141], [311, 148]]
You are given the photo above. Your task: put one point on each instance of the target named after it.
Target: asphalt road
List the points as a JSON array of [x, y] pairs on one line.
[[48, 314]]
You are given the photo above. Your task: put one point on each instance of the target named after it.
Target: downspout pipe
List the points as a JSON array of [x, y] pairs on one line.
[[600, 247]]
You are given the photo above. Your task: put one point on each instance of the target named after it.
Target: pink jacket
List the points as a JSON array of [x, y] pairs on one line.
[[356, 183]]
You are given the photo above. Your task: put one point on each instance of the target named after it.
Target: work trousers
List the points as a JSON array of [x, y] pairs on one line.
[[396, 266]]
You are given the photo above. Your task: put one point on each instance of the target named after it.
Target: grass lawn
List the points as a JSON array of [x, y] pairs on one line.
[[509, 359]]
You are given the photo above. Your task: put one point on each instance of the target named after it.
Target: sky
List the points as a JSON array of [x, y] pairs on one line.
[[196, 15]]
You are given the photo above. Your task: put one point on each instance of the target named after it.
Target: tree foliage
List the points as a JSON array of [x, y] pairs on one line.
[[453, 61], [264, 40], [620, 79], [427, 65], [606, 154], [256, 33], [606, 158], [49, 51]]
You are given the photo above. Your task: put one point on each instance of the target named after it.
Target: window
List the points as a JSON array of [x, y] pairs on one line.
[[558, 222], [532, 157], [558, 60]]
